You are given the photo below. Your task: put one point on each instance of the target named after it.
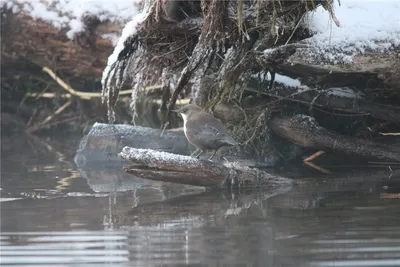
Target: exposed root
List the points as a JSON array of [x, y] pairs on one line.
[[161, 47]]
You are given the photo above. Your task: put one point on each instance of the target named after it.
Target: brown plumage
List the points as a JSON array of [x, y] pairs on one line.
[[203, 130]]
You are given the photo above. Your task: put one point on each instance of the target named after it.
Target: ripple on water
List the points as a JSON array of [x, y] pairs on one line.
[[63, 248]]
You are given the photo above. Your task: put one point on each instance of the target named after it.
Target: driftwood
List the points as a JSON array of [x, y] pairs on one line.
[[166, 167], [105, 141], [304, 131]]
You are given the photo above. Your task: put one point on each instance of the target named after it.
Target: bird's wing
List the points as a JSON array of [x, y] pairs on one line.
[[209, 127]]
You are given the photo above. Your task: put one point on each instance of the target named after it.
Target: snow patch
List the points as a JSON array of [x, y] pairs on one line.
[[69, 14], [5, 199], [286, 80], [76, 27], [365, 25], [305, 119], [84, 194], [129, 153], [129, 30], [345, 92]]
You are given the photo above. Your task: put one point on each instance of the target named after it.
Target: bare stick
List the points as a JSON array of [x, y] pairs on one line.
[[80, 94], [49, 118], [390, 134], [314, 156]]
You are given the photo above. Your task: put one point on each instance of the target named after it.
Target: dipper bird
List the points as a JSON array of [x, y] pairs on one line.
[[203, 130]]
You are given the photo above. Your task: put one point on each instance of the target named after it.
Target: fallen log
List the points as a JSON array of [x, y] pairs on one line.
[[167, 167], [304, 131], [105, 141]]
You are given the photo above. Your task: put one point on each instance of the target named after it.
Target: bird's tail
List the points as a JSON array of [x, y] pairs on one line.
[[232, 142]]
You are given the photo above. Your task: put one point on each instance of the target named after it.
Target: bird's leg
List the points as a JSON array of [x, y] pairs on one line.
[[198, 155], [271, 83], [215, 151], [195, 152]]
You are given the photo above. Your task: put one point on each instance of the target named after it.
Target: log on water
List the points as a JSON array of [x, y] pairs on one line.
[[104, 141], [167, 167], [303, 130]]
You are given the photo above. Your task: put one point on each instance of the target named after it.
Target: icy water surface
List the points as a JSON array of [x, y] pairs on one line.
[[53, 214]]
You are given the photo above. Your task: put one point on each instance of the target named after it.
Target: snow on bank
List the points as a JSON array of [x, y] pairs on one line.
[[129, 30], [365, 25], [286, 80], [345, 92], [70, 13]]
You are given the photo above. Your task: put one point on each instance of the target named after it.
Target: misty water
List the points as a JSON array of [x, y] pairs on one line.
[[54, 214]]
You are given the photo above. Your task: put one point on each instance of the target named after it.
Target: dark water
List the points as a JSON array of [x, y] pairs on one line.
[[54, 215]]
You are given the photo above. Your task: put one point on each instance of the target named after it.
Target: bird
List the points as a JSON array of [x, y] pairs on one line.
[[204, 131]]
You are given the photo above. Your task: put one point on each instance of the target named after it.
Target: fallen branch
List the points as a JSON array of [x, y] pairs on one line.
[[304, 131], [167, 167], [42, 124], [390, 134], [314, 156], [125, 92], [85, 95]]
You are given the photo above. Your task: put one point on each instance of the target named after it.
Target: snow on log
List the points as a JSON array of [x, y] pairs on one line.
[[105, 141], [367, 43], [167, 167]]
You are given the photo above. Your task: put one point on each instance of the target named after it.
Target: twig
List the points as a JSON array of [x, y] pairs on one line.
[[36, 127], [390, 134], [80, 94], [295, 29], [47, 95], [83, 95], [314, 156], [68, 96], [390, 195], [315, 166], [63, 121], [58, 111], [329, 7]]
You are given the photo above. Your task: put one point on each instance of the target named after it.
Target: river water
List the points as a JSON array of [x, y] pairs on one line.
[[53, 214]]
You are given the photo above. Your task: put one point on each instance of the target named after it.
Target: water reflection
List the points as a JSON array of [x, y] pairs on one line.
[[103, 217]]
